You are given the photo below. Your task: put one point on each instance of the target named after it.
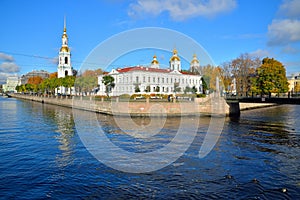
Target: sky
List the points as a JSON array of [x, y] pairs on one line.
[[31, 30]]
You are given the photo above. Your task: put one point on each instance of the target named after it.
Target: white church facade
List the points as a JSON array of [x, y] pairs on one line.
[[153, 79]]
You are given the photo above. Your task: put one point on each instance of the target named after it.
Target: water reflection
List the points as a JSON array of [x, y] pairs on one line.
[[256, 157], [63, 119]]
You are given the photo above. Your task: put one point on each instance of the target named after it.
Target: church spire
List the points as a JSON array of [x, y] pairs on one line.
[[64, 46], [64, 65], [65, 27]]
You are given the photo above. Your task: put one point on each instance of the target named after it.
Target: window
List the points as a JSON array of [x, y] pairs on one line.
[[137, 79], [162, 80], [153, 79], [149, 79], [66, 60], [144, 79], [158, 79]]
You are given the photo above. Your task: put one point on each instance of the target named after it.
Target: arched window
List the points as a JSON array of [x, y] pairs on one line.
[[66, 73], [66, 60]]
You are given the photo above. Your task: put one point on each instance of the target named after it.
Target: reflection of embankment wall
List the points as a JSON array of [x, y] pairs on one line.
[[201, 106]]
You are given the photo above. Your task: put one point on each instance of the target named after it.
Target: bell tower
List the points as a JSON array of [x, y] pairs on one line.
[[64, 67]]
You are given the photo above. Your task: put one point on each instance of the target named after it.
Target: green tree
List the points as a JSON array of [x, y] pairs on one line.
[[204, 85], [176, 87], [29, 87], [187, 89], [270, 77], [157, 89], [108, 81], [147, 88], [87, 80], [137, 88], [194, 90]]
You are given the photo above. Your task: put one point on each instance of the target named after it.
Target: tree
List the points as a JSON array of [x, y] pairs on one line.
[[108, 81], [226, 76], [243, 69], [137, 88], [87, 80], [53, 75], [147, 88], [157, 89], [187, 89], [204, 85], [194, 90], [270, 77], [35, 80]]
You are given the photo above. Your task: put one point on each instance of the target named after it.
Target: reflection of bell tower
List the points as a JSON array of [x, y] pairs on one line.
[[64, 67]]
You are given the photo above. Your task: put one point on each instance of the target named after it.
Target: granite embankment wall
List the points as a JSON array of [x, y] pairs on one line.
[[211, 105]]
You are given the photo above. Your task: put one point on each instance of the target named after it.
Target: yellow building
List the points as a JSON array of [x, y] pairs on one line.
[[294, 83]]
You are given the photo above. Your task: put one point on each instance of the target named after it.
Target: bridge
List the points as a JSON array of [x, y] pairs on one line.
[[235, 108], [277, 100]]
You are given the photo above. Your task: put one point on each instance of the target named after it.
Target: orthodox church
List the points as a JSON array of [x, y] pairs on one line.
[[153, 79]]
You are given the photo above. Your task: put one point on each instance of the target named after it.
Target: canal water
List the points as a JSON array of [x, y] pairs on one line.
[[42, 157]]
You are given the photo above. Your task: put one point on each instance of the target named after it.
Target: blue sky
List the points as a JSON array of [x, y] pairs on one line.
[[30, 33]]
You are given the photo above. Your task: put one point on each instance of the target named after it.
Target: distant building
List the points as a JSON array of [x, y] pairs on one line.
[[152, 79], [294, 83], [11, 83], [42, 73]]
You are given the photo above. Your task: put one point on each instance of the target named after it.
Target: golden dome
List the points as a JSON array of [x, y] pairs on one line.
[[195, 59], [154, 61], [174, 57], [64, 49]]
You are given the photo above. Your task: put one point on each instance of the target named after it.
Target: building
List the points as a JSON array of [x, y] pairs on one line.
[[11, 83], [41, 73], [294, 83], [64, 67], [152, 79]]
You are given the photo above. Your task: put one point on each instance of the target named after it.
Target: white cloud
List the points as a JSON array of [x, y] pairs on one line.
[[181, 10], [3, 77], [260, 53], [6, 57], [283, 32], [9, 67], [290, 9]]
